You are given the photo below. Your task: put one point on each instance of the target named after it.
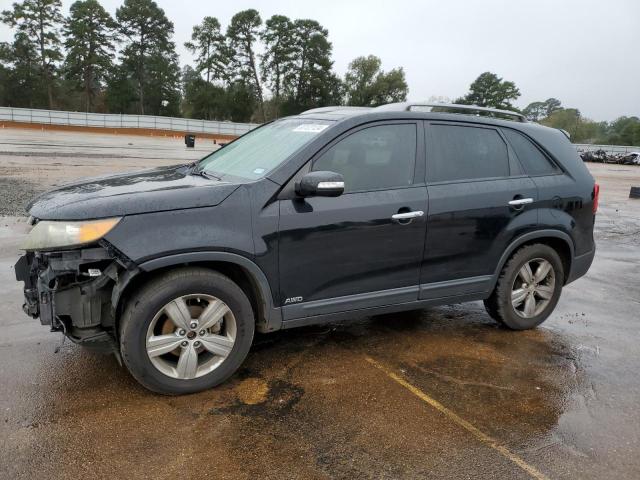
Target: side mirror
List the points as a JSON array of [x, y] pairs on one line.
[[320, 184]]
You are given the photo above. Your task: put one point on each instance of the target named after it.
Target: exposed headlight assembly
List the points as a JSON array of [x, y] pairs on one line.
[[47, 235]]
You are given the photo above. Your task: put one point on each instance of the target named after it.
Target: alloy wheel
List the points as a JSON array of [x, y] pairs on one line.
[[533, 288], [191, 336]]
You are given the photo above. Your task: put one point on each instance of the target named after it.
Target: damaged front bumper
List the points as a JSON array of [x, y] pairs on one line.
[[71, 291]]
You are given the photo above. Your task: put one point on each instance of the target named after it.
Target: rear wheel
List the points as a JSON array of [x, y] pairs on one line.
[[186, 331], [528, 288]]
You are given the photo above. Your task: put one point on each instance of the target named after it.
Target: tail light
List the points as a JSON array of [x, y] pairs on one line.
[[596, 197]]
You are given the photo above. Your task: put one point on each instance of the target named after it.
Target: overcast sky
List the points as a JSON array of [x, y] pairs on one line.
[[583, 52]]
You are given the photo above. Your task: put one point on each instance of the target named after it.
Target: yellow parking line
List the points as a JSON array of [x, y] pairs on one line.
[[483, 437]]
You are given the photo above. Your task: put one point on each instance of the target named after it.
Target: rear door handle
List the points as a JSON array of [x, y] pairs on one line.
[[519, 202], [407, 215]]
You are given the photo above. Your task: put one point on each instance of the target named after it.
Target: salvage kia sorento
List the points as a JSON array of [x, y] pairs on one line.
[[332, 214]]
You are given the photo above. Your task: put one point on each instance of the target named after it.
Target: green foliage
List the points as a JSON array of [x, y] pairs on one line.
[[208, 101], [581, 130], [23, 84], [149, 56], [89, 41], [121, 92], [489, 90], [536, 111], [229, 78], [243, 33], [278, 61], [551, 105], [367, 85], [210, 47], [38, 22], [624, 131], [312, 82]]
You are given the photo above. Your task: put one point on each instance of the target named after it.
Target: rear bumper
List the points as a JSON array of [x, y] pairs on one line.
[[580, 265]]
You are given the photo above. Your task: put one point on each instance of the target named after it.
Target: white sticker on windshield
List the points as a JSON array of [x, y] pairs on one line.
[[310, 128], [259, 171]]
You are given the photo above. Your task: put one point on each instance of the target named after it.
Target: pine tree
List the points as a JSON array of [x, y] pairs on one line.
[[243, 32], [278, 61], [39, 21], [313, 83], [89, 40], [149, 56], [211, 50], [367, 85], [489, 90], [22, 82]]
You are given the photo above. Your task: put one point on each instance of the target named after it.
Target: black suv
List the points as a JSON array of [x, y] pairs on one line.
[[332, 214]]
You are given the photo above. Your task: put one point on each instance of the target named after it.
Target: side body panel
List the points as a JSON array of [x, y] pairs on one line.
[[470, 224], [566, 205], [226, 227], [332, 247]]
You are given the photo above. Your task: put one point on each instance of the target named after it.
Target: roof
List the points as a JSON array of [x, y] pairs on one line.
[[338, 112]]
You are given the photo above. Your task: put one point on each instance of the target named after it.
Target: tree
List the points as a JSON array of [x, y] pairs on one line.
[[580, 129], [163, 83], [489, 90], [367, 85], [551, 105], [149, 56], [38, 21], [536, 111], [240, 102], [23, 83], [243, 33], [278, 61], [5, 72], [89, 40], [312, 83], [211, 50], [624, 131], [121, 91]]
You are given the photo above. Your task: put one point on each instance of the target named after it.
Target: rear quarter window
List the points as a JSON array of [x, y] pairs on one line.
[[532, 159], [466, 153]]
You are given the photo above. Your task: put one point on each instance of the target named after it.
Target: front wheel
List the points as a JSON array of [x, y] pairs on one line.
[[528, 288], [186, 331]]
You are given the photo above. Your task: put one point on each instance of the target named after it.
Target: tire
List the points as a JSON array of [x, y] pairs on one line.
[[146, 319], [510, 288]]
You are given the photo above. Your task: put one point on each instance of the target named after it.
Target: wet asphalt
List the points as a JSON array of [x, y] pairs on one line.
[[438, 393]]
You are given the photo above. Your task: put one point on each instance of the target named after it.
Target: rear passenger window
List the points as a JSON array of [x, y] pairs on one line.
[[466, 153], [532, 159], [374, 158]]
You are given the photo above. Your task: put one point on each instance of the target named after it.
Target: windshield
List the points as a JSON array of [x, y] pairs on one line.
[[255, 154]]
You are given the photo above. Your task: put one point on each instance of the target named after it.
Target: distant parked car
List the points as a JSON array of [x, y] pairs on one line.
[[601, 156], [633, 158], [332, 214]]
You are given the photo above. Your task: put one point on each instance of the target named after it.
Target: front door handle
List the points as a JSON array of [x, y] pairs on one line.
[[407, 215], [519, 202]]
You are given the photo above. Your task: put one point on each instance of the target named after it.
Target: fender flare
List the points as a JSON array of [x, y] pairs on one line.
[[527, 237], [272, 315]]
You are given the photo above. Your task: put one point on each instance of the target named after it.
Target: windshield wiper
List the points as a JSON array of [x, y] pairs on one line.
[[203, 173]]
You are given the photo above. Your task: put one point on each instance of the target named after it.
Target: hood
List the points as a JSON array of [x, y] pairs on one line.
[[153, 190]]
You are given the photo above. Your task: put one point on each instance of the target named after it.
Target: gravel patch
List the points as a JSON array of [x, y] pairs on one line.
[[15, 194]]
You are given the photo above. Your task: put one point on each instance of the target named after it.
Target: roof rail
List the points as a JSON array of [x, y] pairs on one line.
[[408, 106], [336, 108]]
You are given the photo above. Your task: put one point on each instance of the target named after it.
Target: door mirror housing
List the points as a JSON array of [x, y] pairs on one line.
[[320, 184]]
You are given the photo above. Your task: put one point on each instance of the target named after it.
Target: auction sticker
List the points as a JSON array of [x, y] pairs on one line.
[[310, 128]]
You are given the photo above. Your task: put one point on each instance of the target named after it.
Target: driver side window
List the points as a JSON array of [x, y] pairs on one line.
[[375, 158]]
